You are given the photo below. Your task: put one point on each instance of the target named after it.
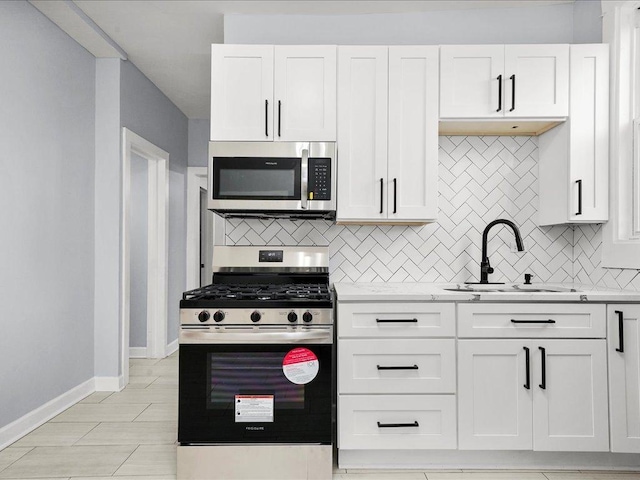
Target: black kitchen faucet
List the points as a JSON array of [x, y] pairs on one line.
[[485, 266]]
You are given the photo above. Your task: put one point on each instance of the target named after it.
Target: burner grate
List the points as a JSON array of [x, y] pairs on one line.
[[260, 292]]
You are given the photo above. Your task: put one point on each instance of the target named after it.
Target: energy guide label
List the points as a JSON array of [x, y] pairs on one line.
[[254, 408], [300, 366]]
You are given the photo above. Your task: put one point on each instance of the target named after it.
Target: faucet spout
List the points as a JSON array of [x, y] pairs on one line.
[[485, 266]]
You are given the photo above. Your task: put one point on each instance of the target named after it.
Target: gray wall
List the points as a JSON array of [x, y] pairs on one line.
[[198, 142], [139, 250], [537, 24], [46, 192], [148, 112]]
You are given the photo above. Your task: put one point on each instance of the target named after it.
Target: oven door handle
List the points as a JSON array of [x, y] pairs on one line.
[[192, 336]]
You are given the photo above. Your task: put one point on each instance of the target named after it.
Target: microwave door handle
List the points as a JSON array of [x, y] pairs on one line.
[[304, 184]]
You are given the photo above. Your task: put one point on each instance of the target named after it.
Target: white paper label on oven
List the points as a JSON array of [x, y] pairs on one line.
[[300, 366], [254, 408]]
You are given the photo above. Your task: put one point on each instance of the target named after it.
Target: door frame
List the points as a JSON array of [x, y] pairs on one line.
[[197, 179], [157, 253]]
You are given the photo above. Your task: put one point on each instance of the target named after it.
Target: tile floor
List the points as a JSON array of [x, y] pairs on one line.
[[130, 435]]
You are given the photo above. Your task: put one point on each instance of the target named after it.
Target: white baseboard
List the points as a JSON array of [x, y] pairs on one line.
[[137, 352], [172, 347], [109, 384], [32, 420]]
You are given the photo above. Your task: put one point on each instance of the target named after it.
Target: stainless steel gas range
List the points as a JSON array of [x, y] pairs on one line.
[[256, 384]]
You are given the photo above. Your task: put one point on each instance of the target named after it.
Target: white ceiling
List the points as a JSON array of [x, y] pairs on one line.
[[170, 41]]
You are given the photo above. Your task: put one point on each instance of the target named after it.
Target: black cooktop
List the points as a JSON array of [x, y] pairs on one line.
[[263, 295]]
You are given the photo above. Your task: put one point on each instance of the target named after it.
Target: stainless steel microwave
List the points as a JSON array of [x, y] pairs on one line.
[[273, 179]]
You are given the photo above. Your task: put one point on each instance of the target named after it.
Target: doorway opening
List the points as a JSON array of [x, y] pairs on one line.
[[145, 235], [204, 229]]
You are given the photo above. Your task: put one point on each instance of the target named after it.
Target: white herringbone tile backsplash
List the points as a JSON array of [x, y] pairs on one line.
[[481, 179], [587, 269]]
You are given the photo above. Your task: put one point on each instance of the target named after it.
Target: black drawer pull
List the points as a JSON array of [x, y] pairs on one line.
[[397, 320], [408, 367], [543, 362], [527, 369], [513, 320], [499, 92], [266, 118], [513, 93], [620, 330], [381, 192], [397, 425], [579, 183]]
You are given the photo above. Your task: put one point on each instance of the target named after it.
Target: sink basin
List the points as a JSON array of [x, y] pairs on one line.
[[508, 289]]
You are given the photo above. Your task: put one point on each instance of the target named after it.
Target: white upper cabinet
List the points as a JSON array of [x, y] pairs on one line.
[[265, 93], [242, 92], [493, 81], [471, 81], [387, 134], [574, 157], [536, 80], [305, 93], [412, 174], [623, 338], [362, 132]]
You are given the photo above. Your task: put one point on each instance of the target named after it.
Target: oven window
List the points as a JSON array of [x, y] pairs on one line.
[[250, 373]]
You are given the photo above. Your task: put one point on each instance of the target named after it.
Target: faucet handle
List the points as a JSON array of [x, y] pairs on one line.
[[527, 278]]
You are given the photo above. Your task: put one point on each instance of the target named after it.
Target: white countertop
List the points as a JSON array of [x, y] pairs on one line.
[[436, 292]]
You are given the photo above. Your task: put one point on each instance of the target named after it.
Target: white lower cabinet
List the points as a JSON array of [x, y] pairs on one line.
[[545, 395], [623, 338], [494, 405], [383, 422]]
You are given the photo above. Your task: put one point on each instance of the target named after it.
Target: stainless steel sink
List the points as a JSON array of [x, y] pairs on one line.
[[508, 289]]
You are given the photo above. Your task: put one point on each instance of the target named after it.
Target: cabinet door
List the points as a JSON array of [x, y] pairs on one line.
[[494, 405], [571, 411], [470, 81], [624, 377], [362, 132], [305, 93], [242, 92], [413, 133], [589, 134], [539, 74]]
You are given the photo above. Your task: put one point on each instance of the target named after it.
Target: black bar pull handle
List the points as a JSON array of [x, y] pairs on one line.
[[620, 331], [397, 425], [395, 194], [279, 115], [266, 118], [513, 320], [527, 367], [381, 191], [543, 385], [499, 93], [401, 367], [396, 320], [513, 93], [579, 183]]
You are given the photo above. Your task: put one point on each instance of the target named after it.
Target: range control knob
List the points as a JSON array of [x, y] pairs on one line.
[[255, 316], [218, 316], [307, 317], [203, 316], [292, 317]]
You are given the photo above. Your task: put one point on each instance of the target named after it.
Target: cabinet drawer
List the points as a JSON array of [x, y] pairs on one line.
[[397, 422], [532, 320], [396, 366], [396, 319]]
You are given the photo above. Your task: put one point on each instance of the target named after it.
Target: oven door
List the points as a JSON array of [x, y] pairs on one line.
[[255, 393]]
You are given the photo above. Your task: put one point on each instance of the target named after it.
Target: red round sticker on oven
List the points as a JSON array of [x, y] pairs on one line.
[[300, 366]]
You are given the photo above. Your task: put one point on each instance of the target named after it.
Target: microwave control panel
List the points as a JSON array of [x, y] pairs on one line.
[[319, 179]]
